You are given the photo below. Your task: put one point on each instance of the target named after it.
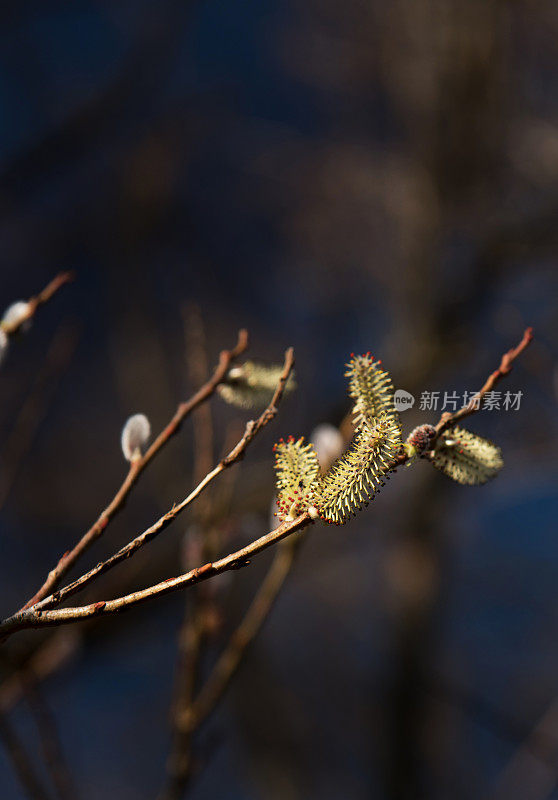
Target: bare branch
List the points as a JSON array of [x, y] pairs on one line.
[[136, 468], [191, 714], [474, 403], [252, 428], [37, 618], [36, 614], [195, 627], [34, 302]]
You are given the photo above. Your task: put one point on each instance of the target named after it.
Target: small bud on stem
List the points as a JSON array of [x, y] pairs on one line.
[[135, 434]]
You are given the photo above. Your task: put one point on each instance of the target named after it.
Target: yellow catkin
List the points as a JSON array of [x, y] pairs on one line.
[[466, 458], [251, 385], [296, 467], [370, 387], [355, 477]]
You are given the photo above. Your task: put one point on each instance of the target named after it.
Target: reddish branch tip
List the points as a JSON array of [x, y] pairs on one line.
[[512, 354]]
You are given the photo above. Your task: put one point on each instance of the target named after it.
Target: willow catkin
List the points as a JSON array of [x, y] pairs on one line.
[[465, 457], [135, 433], [296, 468], [355, 477], [370, 387], [252, 385]]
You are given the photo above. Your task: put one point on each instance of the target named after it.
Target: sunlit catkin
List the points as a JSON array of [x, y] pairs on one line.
[[466, 457], [296, 468], [370, 387], [355, 477]]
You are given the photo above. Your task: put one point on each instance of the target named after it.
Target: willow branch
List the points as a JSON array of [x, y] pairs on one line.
[[194, 710], [36, 616], [229, 661], [34, 302], [252, 429], [447, 419], [190, 715], [136, 468], [450, 418], [194, 628]]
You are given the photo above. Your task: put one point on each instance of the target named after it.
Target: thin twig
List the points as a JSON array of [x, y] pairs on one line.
[[474, 403], [223, 671], [37, 616], [450, 418], [179, 761], [200, 612], [136, 468], [190, 715], [34, 302], [237, 453], [193, 630]]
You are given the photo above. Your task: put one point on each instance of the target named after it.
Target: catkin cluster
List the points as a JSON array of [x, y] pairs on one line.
[[355, 478]]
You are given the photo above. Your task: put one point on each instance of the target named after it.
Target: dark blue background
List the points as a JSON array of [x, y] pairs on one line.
[[337, 177]]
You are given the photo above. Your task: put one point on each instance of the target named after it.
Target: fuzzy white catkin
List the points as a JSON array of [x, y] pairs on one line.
[[3, 344], [328, 444], [15, 314], [135, 434]]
